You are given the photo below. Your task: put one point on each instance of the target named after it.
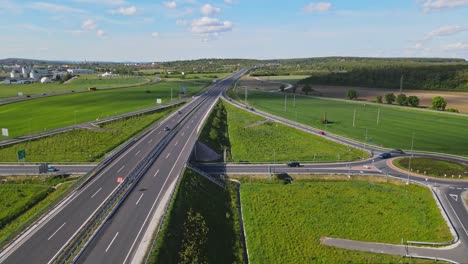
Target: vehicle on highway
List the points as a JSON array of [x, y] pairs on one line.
[[167, 128], [179, 112], [385, 155], [397, 151], [51, 169], [321, 133], [294, 164]]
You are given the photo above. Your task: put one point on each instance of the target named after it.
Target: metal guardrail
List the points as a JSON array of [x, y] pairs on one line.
[[207, 176]]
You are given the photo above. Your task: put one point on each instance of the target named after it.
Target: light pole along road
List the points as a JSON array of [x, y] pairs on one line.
[[42, 242]]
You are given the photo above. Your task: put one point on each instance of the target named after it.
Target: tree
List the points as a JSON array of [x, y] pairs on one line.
[[439, 103], [390, 98], [306, 89], [352, 95], [402, 99], [413, 101], [282, 87], [194, 243], [378, 99]]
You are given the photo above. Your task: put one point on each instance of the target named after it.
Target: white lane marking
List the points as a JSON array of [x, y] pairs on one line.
[[451, 187], [150, 141], [56, 231], [455, 213], [176, 143], [139, 198], [159, 132], [156, 173], [459, 188], [183, 133], [168, 155], [137, 153], [121, 169], [92, 196], [112, 241]]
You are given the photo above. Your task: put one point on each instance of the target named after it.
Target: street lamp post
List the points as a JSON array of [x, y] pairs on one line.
[[412, 154]]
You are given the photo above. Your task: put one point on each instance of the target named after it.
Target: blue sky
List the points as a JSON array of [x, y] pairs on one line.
[[144, 30]]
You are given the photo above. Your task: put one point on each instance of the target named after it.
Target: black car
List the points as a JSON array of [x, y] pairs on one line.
[[167, 128], [294, 164], [385, 155], [179, 112]]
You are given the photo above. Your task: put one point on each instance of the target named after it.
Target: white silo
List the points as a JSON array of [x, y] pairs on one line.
[[34, 75], [25, 71], [14, 74], [45, 80]]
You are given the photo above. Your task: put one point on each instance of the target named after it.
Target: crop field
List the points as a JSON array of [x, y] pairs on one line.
[[292, 79], [202, 225], [82, 145], [284, 223], [434, 167], [390, 127], [21, 199], [255, 140], [81, 83], [59, 111]]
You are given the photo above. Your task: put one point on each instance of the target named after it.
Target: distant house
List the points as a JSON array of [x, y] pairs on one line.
[[14, 74], [37, 74], [80, 71]]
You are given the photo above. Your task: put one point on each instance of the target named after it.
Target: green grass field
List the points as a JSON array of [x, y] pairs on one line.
[[284, 223], [82, 145], [22, 198], [433, 167], [215, 131], [436, 132], [58, 111], [253, 141], [211, 237], [78, 84]]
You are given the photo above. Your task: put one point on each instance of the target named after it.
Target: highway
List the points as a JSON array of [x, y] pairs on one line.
[[43, 241]]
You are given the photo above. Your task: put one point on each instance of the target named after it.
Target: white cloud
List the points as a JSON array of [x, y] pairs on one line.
[[317, 7], [429, 5], [100, 33], [106, 2], [128, 11], [208, 10], [89, 24], [210, 27], [54, 8], [155, 34], [446, 31], [170, 5], [457, 46]]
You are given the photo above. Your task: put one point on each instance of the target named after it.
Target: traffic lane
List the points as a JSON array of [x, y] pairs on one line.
[[453, 196]]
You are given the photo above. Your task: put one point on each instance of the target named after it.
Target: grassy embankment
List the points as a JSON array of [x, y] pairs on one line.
[[436, 132], [215, 132], [433, 167], [77, 84], [23, 197], [284, 223], [54, 112], [82, 145], [202, 225]]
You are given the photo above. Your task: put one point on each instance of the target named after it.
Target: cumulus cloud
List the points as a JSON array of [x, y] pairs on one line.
[[446, 31], [126, 11], [429, 5], [155, 34], [457, 46], [208, 10], [100, 33], [89, 24], [210, 27], [171, 4], [317, 7]]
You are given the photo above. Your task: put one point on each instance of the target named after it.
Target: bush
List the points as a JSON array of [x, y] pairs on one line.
[[413, 101], [402, 99], [453, 110], [378, 99], [390, 98]]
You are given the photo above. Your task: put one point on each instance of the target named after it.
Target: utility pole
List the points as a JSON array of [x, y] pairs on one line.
[[285, 103], [378, 116], [294, 100], [412, 154], [245, 94], [354, 118], [401, 83], [171, 94]]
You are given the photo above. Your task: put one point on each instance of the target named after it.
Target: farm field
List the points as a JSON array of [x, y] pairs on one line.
[[43, 114], [202, 225], [82, 145], [22, 198], [433, 167], [78, 84], [433, 131], [292, 79], [254, 139], [284, 223]]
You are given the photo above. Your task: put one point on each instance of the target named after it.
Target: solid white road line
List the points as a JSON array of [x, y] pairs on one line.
[[56, 231], [159, 132], [92, 196], [150, 141], [176, 143], [112, 241], [140, 198], [137, 153], [121, 169], [183, 133], [156, 173], [168, 155]]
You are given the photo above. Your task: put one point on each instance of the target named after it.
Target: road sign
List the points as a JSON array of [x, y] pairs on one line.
[[22, 154], [119, 179], [5, 132], [454, 196], [158, 101]]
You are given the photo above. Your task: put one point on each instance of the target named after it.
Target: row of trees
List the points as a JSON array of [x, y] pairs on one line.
[[400, 99]]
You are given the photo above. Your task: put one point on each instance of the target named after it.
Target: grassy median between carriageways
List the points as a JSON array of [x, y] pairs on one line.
[[83, 145], [202, 225], [215, 132], [284, 222], [42, 114], [434, 167], [23, 197], [390, 127], [256, 139]]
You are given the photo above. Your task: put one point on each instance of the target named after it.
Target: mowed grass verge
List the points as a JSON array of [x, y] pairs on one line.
[[433, 167], [436, 132], [77, 84], [82, 145], [253, 140], [59, 111], [202, 225], [284, 223], [21, 198]]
